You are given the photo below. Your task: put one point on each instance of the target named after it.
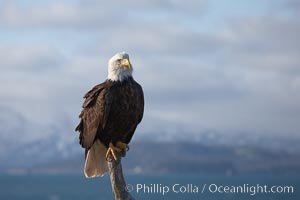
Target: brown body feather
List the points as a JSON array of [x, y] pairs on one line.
[[111, 112]]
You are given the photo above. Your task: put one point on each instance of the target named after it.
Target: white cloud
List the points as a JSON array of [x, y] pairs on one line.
[[52, 15], [91, 15], [243, 75], [30, 58]]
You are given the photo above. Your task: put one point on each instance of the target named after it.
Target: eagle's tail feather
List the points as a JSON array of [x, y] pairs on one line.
[[95, 162]]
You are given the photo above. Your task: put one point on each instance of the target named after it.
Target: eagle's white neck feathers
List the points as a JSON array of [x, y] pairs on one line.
[[116, 72]]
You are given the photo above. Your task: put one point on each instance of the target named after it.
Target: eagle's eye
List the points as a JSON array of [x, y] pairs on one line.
[[118, 61]]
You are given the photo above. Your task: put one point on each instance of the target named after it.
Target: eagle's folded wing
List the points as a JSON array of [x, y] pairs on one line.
[[94, 114]]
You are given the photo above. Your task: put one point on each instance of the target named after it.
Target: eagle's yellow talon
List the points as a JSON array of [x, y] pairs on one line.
[[119, 148]]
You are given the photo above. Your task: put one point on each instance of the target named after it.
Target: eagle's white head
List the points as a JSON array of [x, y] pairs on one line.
[[119, 67]]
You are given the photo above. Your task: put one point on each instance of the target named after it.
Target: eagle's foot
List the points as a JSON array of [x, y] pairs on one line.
[[112, 150], [123, 146]]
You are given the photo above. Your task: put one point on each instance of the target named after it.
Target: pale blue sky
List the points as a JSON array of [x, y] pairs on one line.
[[227, 66]]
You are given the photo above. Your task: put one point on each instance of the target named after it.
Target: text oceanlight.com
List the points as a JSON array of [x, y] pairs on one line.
[[208, 188]]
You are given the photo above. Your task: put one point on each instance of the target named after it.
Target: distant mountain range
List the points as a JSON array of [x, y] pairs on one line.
[[26, 147], [200, 158], [179, 157]]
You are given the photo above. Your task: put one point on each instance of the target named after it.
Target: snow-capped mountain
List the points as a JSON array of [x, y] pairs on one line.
[[27, 144]]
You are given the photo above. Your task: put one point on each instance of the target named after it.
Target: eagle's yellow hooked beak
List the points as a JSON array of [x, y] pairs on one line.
[[125, 62]]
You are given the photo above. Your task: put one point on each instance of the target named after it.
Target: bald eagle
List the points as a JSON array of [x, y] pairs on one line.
[[111, 112]]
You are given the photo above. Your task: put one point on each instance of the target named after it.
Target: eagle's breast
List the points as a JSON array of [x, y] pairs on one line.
[[125, 112]]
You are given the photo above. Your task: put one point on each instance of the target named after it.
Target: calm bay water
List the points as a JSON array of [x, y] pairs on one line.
[[187, 187]]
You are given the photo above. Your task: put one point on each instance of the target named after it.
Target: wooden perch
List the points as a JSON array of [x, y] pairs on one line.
[[117, 179]]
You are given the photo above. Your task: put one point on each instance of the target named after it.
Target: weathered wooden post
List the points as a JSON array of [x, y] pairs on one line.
[[117, 179]]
